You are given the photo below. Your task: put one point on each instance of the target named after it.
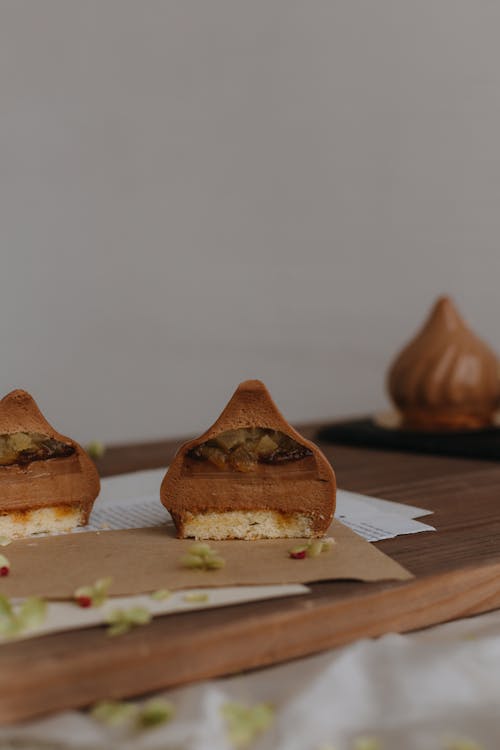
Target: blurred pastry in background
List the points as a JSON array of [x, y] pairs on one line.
[[446, 378]]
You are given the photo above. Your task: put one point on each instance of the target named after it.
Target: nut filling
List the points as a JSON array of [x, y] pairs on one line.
[[243, 449], [22, 448]]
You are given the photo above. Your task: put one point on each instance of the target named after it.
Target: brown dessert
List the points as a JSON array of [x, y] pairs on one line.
[[446, 378], [250, 476], [47, 481]]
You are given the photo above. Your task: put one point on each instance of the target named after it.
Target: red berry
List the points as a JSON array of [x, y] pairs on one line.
[[84, 601], [298, 555], [4, 571]]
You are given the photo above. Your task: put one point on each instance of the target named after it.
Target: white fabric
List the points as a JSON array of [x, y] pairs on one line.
[[411, 692]]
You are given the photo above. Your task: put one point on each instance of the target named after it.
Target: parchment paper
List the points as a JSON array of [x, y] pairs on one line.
[[143, 560]]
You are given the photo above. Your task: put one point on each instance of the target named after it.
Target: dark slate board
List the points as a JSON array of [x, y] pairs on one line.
[[484, 444]]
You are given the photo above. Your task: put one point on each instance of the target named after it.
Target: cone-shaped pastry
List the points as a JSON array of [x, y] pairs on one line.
[[446, 378], [250, 476], [47, 481]]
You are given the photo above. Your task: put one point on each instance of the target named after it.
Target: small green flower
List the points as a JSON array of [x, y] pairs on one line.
[[120, 621], [161, 595], [245, 723], [32, 612], [195, 597], [315, 548], [27, 616], [4, 541], [8, 622], [154, 713], [117, 713], [6, 609], [312, 549], [113, 713], [201, 548], [95, 595], [95, 449], [202, 557]]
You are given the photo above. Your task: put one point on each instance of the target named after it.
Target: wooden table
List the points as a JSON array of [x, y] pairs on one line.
[[457, 574]]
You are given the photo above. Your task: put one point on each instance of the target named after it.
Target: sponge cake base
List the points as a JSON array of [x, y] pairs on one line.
[[54, 519], [243, 524]]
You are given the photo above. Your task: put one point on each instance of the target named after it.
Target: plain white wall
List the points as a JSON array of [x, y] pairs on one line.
[[193, 192]]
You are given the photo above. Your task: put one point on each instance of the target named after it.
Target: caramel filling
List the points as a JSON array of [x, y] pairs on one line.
[[22, 448], [243, 449]]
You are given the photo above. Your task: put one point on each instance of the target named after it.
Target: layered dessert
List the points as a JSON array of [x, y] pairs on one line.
[[250, 476], [47, 481]]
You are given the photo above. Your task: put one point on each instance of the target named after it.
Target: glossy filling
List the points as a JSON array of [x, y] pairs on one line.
[[21, 448], [243, 449]]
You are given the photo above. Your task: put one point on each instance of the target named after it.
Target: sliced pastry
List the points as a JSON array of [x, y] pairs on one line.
[[47, 481], [250, 476]]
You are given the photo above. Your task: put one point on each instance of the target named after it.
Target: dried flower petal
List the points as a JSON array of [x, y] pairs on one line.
[[161, 595], [202, 557], [245, 723], [154, 713], [328, 543], [26, 616], [113, 713], [95, 449], [8, 624], [123, 620], [312, 549], [192, 562], [299, 552], [200, 548], [315, 548], [195, 597], [6, 609], [95, 595], [151, 714], [32, 612], [4, 566]]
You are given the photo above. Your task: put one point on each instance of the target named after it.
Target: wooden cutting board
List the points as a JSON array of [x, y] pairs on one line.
[[457, 574]]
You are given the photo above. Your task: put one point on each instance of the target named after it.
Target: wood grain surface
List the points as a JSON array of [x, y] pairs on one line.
[[457, 574]]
